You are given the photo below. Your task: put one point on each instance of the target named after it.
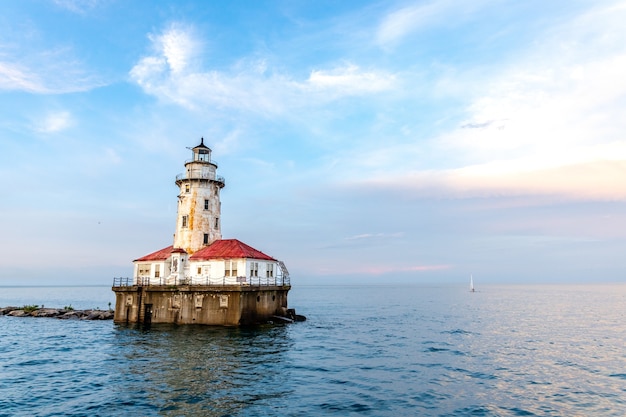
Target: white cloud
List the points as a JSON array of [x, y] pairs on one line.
[[178, 46], [78, 6], [54, 122], [400, 23], [249, 86], [49, 72], [368, 236], [15, 77], [350, 80]]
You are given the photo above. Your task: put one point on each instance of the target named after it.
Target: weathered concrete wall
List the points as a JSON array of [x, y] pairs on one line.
[[199, 184], [224, 306]]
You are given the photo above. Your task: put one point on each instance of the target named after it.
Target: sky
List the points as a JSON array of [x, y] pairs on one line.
[[373, 142]]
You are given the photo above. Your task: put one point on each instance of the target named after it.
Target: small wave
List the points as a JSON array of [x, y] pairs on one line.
[[434, 349], [456, 331], [350, 408]]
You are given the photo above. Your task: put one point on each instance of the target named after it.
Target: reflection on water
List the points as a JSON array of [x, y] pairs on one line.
[[197, 370]]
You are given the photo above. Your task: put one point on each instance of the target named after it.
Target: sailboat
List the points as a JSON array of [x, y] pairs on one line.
[[471, 283]]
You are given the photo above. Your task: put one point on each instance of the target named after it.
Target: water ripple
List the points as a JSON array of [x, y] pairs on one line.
[[418, 351]]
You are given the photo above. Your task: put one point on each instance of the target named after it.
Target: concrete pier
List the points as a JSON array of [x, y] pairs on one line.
[[197, 304]]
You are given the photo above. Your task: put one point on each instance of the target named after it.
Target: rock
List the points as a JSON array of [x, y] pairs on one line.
[[91, 316], [45, 312], [70, 315], [106, 315], [59, 313], [7, 310]]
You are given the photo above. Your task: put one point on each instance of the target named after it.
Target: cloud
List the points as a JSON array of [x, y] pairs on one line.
[[405, 21], [375, 236], [172, 74], [549, 123], [55, 122], [349, 80], [78, 6], [50, 72], [599, 180], [177, 46], [15, 77], [382, 269]]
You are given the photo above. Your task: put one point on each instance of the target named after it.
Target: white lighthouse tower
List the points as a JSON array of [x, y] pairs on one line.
[[198, 213]]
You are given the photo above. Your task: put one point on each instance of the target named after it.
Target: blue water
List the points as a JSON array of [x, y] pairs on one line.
[[370, 350]]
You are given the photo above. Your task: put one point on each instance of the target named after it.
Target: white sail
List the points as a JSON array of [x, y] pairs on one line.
[[471, 283]]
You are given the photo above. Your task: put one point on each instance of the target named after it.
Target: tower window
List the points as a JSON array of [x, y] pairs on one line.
[[217, 222], [186, 188], [206, 204], [204, 155], [185, 221], [206, 239]]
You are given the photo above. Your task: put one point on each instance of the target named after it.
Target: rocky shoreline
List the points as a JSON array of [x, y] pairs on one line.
[[59, 313]]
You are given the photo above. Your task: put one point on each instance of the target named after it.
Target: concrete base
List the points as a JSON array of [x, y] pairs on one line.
[[211, 305]]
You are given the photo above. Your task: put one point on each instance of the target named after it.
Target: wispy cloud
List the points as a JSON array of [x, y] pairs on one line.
[[78, 6], [50, 72], [375, 236], [374, 270], [54, 122], [405, 21], [600, 180], [249, 85], [349, 80]]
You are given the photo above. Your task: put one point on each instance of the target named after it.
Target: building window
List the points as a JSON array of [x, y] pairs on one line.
[[269, 270], [187, 187], [143, 270], [217, 223], [230, 268], [206, 239], [157, 271], [185, 221], [254, 269], [206, 204], [199, 270]]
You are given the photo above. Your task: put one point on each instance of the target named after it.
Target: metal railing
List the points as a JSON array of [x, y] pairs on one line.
[[206, 176], [278, 281]]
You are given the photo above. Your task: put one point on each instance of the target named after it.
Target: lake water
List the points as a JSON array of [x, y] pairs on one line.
[[364, 350]]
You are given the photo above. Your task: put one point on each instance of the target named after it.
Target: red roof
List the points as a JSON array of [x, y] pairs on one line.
[[228, 249], [160, 255]]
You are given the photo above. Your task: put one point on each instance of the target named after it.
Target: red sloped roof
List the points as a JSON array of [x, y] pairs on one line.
[[228, 249], [160, 255]]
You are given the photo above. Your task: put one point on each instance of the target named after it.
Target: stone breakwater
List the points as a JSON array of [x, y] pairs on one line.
[[59, 313]]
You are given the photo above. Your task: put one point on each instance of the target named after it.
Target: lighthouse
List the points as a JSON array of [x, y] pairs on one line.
[[202, 278], [198, 212]]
